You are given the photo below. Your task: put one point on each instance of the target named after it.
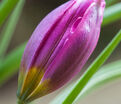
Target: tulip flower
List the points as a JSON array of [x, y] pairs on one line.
[[59, 47]]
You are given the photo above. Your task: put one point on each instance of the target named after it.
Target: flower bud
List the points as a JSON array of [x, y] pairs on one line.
[[59, 47]]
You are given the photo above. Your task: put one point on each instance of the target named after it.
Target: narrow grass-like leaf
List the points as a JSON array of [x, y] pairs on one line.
[[92, 69], [6, 6], [10, 64], [10, 27], [106, 74], [112, 14], [109, 2]]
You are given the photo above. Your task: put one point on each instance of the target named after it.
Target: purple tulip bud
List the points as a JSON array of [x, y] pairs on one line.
[[59, 47]]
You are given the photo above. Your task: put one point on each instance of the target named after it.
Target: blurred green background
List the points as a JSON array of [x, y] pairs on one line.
[[33, 12]]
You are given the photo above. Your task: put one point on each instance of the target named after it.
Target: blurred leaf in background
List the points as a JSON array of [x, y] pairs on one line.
[[6, 6], [9, 28], [5, 39]]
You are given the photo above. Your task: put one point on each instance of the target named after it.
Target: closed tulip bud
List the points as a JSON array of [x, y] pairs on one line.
[[59, 47]]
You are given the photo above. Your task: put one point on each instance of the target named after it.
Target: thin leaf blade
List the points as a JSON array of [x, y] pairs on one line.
[[14, 58], [112, 13], [6, 7], [9, 28]]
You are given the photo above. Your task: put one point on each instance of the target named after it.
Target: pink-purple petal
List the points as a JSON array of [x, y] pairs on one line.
[[59, 47]]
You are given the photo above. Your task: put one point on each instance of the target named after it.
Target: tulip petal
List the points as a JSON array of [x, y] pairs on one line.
[[34, 46], [59, 47], [76, 50]]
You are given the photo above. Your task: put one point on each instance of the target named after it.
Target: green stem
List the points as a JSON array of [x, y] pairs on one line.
[[19, 102]]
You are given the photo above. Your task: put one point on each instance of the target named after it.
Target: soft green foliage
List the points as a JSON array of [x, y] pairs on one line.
[[92, 69], [10, 64], [109, 2], [112, 14], [6, 6], [10, 28]]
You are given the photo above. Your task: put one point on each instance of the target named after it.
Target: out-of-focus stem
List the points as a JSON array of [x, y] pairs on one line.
[[6, 6], [20, 102], [9, 28]]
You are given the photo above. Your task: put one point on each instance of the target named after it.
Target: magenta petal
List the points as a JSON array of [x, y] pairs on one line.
[[41, 34], [76, 50], [59, 47]]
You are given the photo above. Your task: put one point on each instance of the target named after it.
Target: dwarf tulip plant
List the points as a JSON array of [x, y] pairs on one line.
[[58, 49]]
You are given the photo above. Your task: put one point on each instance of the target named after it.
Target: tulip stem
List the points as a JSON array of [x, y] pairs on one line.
[[20, 102]]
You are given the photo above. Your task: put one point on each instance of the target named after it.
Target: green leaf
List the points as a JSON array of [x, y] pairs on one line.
[[92, 69], [6, 7], [106, 74], [110, 2], [112, 14], [9, 28], [10, 64]]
